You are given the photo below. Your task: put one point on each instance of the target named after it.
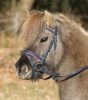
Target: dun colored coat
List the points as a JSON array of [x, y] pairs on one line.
[[71, 51]]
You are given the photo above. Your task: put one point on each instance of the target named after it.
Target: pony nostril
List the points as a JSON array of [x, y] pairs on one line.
[[24, 69]]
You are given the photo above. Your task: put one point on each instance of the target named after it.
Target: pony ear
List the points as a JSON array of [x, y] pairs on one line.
[[47, 14], [47, 17], [28, 13]]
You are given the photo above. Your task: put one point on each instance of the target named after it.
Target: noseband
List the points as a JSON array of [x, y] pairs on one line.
[[40, 65]]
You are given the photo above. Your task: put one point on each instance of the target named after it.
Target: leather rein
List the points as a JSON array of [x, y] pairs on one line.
[[40, 65]]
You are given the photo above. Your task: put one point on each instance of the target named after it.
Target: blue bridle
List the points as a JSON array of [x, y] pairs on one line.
[[40, 66]]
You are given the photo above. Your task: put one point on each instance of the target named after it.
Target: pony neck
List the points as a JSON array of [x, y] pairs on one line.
[[75, 57]]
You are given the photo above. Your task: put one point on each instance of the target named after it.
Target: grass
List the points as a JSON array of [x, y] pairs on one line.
[[13, 88]]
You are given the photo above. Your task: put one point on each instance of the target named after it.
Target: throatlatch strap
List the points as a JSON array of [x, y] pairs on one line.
[[74, 73], [68, 76]]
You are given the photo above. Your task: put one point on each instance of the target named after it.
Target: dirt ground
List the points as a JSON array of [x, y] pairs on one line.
[[13, 88]]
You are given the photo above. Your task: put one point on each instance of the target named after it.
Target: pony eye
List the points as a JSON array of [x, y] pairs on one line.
[[44, 39]]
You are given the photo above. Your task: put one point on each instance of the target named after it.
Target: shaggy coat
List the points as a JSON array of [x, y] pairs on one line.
[[71, 52]]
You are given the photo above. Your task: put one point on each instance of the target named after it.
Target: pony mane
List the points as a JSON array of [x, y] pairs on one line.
[[34, 24], [70, 24], [32, 27]]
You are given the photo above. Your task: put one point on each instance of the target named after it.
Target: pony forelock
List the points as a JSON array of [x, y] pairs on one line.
[[32, 27]]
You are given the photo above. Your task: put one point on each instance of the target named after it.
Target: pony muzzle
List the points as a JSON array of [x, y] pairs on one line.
[[28, 66], [23, 69]]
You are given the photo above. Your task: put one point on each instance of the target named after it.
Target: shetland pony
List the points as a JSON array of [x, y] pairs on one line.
[[71, 51]]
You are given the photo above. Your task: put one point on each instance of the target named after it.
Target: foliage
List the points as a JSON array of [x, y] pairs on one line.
[[5, 5], [74, 7]]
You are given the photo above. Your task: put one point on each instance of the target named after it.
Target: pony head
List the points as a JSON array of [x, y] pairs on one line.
[[37, 36]]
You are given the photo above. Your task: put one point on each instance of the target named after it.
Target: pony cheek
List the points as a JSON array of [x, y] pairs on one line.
[[50, 61], [41, 53]]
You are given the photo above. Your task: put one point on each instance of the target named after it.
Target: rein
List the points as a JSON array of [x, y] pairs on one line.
[[39, 66]]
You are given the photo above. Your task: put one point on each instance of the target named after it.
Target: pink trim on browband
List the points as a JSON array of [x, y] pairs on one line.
[[30, 53]]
